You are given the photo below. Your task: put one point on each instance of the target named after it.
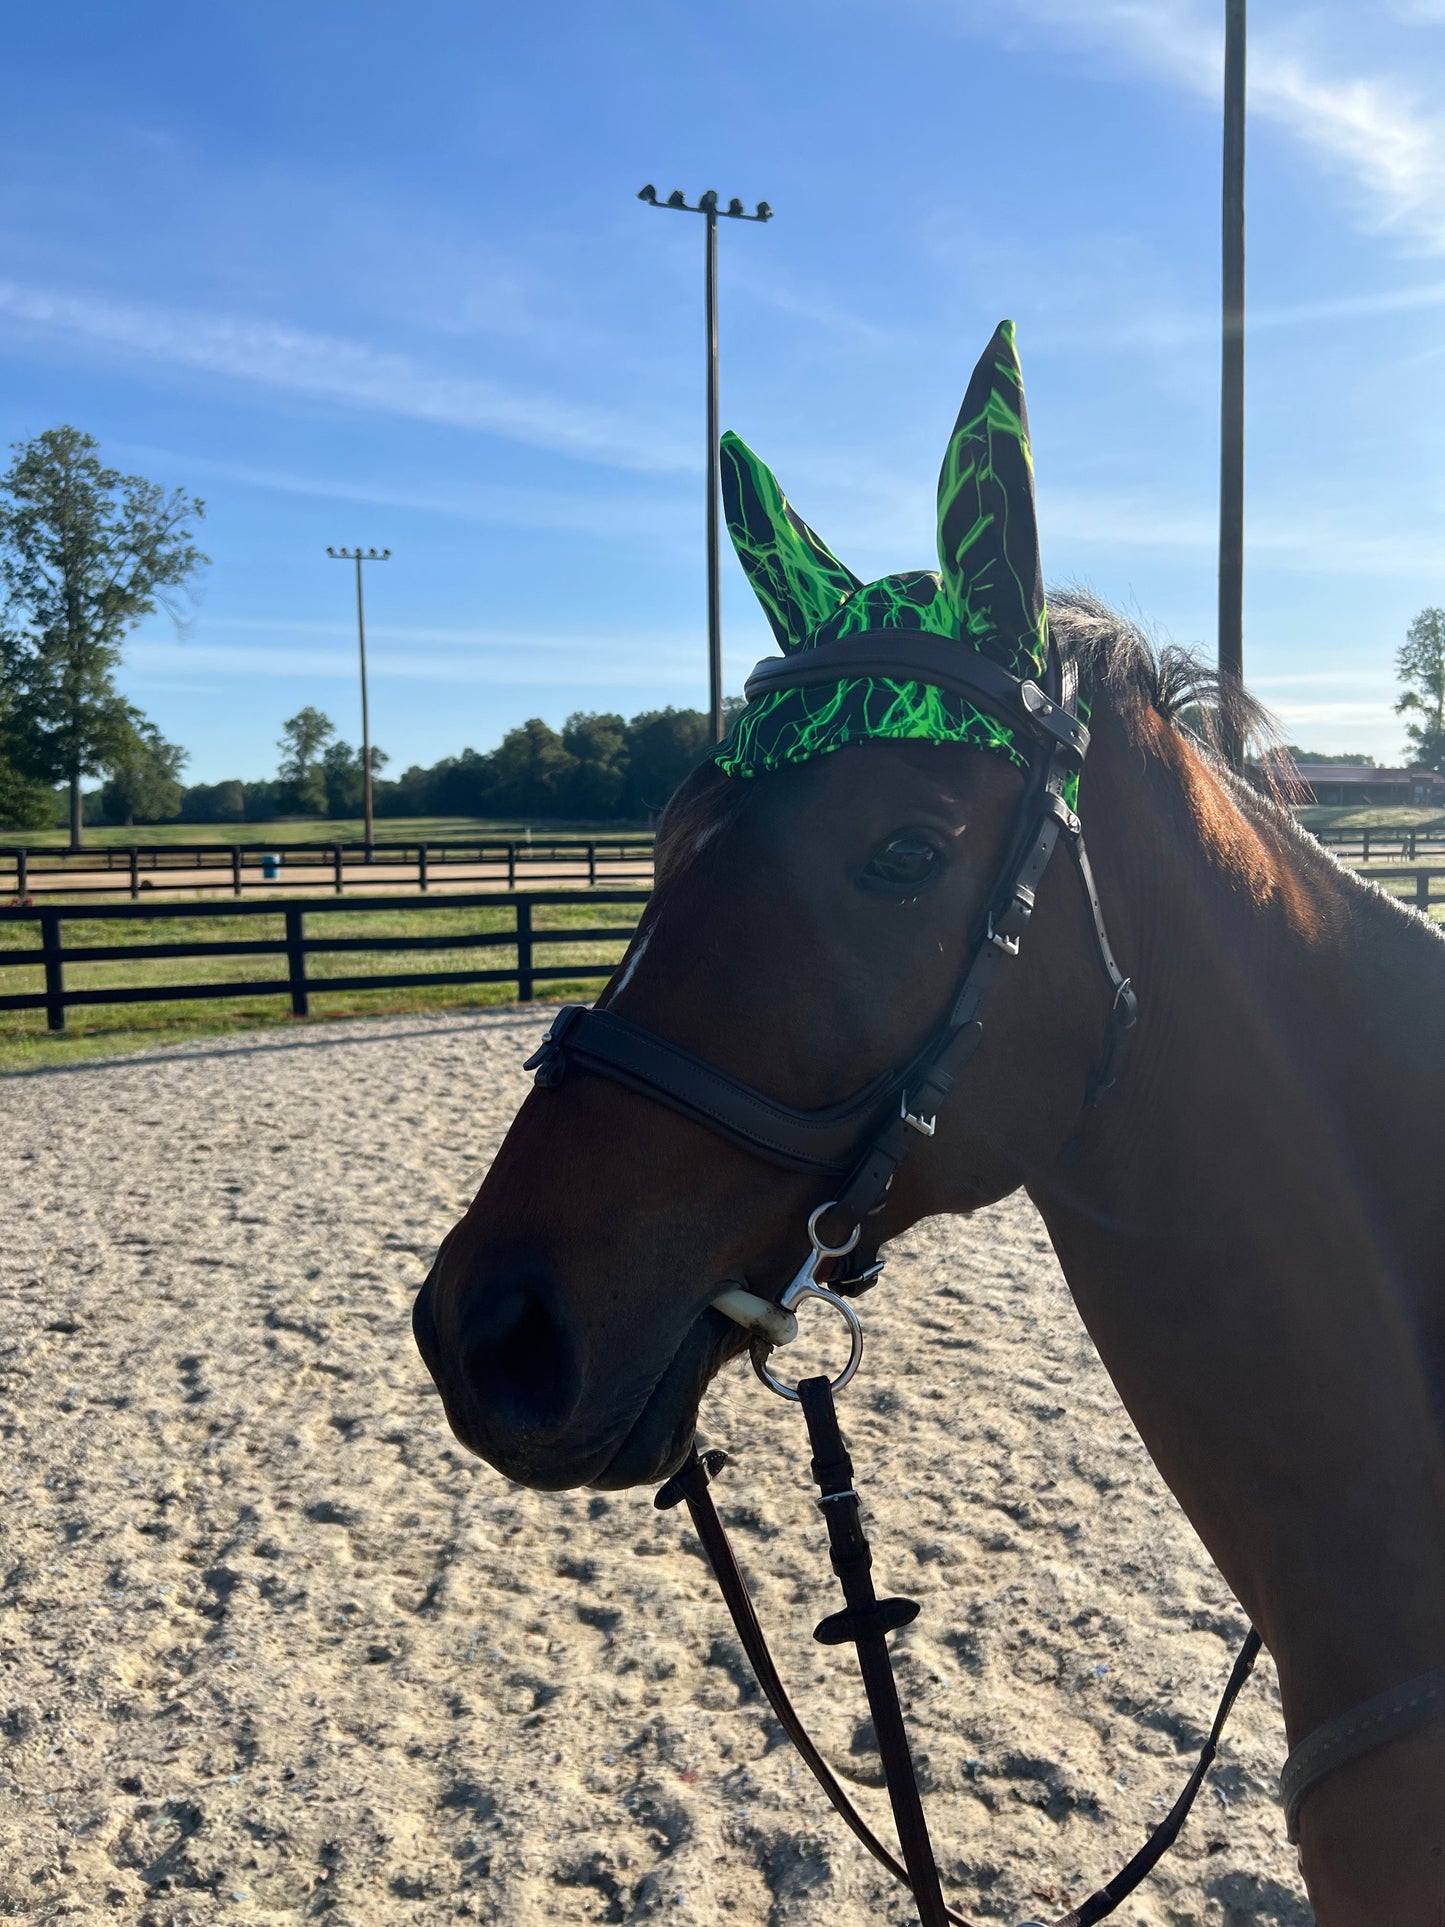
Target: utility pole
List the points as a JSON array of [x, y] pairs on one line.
[[358, 556], [1231, 382], [707, 205]]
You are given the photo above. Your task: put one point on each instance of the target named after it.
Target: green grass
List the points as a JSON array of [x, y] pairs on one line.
[[310, 829], [25, 1043]]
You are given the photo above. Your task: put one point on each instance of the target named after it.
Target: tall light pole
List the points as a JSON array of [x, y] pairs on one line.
[[358, 556], [1231, 381], [707, 205]]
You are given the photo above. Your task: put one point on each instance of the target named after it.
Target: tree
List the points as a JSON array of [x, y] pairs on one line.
[[599, 746], [85, 554], [1354, 757], [144, 781], [25, 802], [664, 745], [530, 770], [215, 802], [341, 777], [302, 769], [1420, 665]]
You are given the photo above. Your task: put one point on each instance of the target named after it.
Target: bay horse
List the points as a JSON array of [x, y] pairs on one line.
[[1251, 1223]]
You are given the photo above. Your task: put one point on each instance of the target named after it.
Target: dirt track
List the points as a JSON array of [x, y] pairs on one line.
[[272, 1648]]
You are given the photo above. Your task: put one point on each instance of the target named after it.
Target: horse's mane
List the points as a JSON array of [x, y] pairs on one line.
[[1119, 662]]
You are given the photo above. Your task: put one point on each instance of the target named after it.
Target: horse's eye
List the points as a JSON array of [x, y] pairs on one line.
[[904, 862]]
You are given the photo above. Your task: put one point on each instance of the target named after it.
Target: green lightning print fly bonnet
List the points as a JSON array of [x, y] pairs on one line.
[[988, 594]]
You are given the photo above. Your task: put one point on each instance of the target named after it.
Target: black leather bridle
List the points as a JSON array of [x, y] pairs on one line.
[[887, 1117]]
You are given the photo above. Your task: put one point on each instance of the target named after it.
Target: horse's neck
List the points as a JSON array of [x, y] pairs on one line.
[[1250, 1225]]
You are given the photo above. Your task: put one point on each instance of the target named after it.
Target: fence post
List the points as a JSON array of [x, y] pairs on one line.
[[511, 866], [524, 951], [54, 969], [336, 868], [134, 872], [296, 961], [22, 874], [236, 868], [1412, 846], [592, 864], [1365, 847], [1422, 891], [421, 866]]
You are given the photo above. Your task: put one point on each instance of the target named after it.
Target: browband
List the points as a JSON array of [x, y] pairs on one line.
[[943, 662]]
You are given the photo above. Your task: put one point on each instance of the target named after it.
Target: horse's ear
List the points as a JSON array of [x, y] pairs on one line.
[[988, 539], [794, 574]]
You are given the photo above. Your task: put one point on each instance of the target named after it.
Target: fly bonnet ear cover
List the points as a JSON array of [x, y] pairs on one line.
[[989, 594]]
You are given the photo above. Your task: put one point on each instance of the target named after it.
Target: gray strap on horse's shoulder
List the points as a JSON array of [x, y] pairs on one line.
[[1339, 1741]]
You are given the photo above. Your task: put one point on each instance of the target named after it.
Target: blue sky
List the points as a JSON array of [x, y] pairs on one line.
[[373, 273]]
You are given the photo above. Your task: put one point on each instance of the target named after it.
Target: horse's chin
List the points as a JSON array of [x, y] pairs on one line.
[[662, 1433]]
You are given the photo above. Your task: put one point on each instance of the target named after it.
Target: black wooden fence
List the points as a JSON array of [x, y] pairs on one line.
[[298, 943], [142, 868], [1421, 879], [1398, 840]]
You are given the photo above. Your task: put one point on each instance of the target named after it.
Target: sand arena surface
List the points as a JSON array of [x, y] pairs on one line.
[[273, 1648]]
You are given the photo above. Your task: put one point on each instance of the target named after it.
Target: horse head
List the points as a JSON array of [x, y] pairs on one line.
[[826, 887]]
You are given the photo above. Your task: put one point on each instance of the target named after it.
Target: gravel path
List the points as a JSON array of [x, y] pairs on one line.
[[273, 1648]]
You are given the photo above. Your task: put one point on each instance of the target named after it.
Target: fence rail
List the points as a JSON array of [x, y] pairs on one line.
[[1367, 846], [1422, 880], [146, 867], [297, 944]]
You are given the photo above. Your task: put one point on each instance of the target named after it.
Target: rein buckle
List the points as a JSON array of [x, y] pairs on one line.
[[925, 1126]]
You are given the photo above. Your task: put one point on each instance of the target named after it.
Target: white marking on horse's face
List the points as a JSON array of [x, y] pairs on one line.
[[632, 962]]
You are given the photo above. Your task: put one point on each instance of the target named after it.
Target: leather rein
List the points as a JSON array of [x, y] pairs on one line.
[[888, 1117]]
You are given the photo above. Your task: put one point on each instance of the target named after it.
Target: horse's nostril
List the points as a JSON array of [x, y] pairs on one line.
[[520, 1361]]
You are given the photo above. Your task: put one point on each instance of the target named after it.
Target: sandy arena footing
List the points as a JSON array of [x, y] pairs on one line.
[[273, 1648]]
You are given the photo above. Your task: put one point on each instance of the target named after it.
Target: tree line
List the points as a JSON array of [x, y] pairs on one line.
[[596, 769]]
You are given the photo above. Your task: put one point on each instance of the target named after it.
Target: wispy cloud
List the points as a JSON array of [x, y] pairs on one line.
[[332, 369], [587, 667], [816, 306], [1359, 679], [1077, 524], [652, 519], [1386, 136], [1379, 717]]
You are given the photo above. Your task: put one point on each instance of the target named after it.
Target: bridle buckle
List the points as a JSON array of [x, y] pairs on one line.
[[925, 1126], [1000, 938]]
